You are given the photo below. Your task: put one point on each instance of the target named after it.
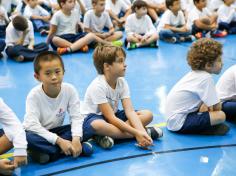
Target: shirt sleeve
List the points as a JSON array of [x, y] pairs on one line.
[[128, 26], [125, 93], [43, 12], [13, 129], [87, 18], [150, 26], [99, 95], [55, 19]]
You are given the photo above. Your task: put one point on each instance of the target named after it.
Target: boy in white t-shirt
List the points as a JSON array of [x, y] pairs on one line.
[[97, 19], [226, 89], [202, 22], [227, 17], [139, 28], [38, 15], [100, 106], [46, 108], [118, 11], [192, 105], [172, 27], [12, 135]]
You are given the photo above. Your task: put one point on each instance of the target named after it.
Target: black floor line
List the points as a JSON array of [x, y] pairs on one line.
[[137, 156]]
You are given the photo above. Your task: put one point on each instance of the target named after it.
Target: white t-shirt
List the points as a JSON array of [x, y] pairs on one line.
[[100, 92], [196, 14], [44, 113], [95, 23], [186, 5], [65, 24], [3, 11], [87, 4], [187, 95], [13, 129], [7, 4], [13, 36], [119, 6], [214, 5], [38, 10], [226, 85], [143, 25], [226, 14], [169, 18]]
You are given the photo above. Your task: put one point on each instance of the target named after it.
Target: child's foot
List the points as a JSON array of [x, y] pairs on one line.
[[19, 58], [220, 130], [117, 43], [153, 45], [105, 142], [154, 132], [62, 51], [131, 45], [87, 149], [189, 38], [84, 49], [41, 158], [171, 40], [218, 33]]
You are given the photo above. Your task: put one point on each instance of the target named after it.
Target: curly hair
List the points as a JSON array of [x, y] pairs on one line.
[[202, 52], [105, 54]]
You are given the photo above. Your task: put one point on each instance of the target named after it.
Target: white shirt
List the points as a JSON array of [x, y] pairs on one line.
[[87, 4], [65, 24], [187, 95], [196, 14], [96, 23], [127, 2], [171, 19], [226, 14], [7, 4], [119, 6], [213, 5], [44, 113], [4, 12], [13, 129], [186, 5], [13, 36], [226, 85], [143, 25], [99, 92], [38, 10]]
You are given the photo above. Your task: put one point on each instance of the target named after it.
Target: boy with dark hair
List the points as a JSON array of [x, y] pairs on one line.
[[139, 27], [20, 40], [172, 27], [46, 107], [192, 105], [100, 107]]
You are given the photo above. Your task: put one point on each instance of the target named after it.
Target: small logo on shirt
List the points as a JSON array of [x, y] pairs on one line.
[[61, 113]]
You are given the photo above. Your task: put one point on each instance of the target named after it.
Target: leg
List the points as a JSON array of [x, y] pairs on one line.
[[116, 36], [132, 38], [229, 108], [145, 116], [152, 13], [150, 39], [6, 145], [168, 35], [60, 42]]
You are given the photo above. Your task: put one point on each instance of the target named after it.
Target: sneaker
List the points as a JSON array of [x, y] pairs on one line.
[[189, 38], [218, 33], [105, 142], [61, 51], [153, 45], [198, 35], [131, 45], [154, 132], [171, 40], [117, 43], [220, 130], [84, 49], [41, 158], [87, 149]]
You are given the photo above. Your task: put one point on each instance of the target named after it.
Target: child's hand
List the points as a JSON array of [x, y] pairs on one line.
[[184, 29], [6, 167], [65, 145], [46, 18], [203, 108], [20, 161], [77, 148], [143, 139], [30, 47]]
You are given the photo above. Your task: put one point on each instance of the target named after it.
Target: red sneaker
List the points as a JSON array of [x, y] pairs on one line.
[[61, 50], [84, 49]]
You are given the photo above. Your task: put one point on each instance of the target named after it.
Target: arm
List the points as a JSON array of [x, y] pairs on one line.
[[52, 31], [82, 8], [201, 25], [176, 29]]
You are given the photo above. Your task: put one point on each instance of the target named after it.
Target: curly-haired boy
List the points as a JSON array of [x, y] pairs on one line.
[[193, 105]]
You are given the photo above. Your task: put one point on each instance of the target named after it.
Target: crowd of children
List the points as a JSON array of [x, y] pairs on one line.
[[201, 107]]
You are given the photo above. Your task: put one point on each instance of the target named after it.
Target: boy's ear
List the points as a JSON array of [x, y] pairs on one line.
[[105, 66], [36, 76]]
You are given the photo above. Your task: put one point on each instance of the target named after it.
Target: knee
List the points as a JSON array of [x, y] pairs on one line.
[[148, 115], [97, 124], [221, 117]]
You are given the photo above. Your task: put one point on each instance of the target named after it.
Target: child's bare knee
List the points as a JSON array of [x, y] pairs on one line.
[[97, 124], [222, 116]]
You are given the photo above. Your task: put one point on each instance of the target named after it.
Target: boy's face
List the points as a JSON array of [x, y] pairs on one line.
[[176, 6], [68, 5], [141, 11], [51, 75], [216, 67], [229, 2], [99, 7], [201, 4], [118, 67], [33, 3]]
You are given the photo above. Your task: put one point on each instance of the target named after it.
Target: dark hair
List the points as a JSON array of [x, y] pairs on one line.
[[96, 1], [61, 1], [138, 4], [196, 1], [203, 51], [46, 56], [170, 3], [105, 54], [20, 23]]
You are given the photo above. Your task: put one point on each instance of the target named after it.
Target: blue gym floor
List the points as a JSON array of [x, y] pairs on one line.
[[151, 73]]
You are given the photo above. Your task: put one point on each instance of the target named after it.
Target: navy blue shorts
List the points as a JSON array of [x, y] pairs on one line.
[[1, 132], [88, 130], [196, 122], [70, 38]]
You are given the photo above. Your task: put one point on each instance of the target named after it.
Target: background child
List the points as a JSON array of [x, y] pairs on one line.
[[96, 20], [118, 11], [192, 105], [139, 28], [172, 27], [227, 17], [4, 20], [46, 107], [100, 106], [20, 40], [12, 134], [226, 90], [38, 15]]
